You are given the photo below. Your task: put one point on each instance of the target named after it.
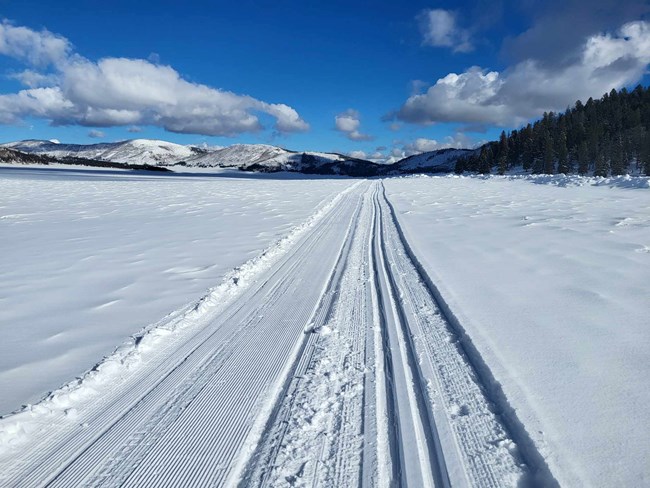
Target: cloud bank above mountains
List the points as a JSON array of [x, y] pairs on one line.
[[548, 75], [510, 62], [67, 89]]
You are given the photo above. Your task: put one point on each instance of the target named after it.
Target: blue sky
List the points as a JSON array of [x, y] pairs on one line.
[[365, 77]]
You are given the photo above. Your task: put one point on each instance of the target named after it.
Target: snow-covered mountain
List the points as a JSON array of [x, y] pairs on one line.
[[247, 157], [261, 157], [136, 151], [439, 161], [11, 156]]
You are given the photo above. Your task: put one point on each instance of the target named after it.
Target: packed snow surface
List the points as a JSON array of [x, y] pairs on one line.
[[88, 258], [550, 282], [418, 331], [324, 361]]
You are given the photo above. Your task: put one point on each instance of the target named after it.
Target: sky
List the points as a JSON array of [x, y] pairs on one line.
[[372, 79]]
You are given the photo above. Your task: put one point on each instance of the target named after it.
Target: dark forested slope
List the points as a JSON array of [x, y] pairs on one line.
[[609, 136]]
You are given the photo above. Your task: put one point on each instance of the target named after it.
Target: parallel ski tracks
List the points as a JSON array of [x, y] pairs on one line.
[[122, 432], [336, 368], [422, 418]]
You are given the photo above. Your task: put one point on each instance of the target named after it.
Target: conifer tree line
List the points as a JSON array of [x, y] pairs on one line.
[[609, 136]]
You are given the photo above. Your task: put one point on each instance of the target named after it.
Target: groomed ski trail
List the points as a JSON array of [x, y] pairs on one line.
[[333, 367]]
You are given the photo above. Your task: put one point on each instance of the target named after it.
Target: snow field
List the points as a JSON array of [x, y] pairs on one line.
[[424, 331], [89, 258], [549, 282], [187, 371]]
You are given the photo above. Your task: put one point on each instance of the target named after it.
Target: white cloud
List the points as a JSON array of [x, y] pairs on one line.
[[357, 154], [376, 156], [33, 79], [121, 91], [529, 88], [349, 123], [134, 129], [440, 29], [36, 48], [96, 134]]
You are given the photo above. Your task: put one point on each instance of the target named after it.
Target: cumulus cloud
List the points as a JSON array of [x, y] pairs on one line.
[[530, 87], [440, 28], [96, 134], [125, 92], [134, 129], [357, 154], [376, 156], [35, 48], [33, 79], [570, 22], [349, 123]]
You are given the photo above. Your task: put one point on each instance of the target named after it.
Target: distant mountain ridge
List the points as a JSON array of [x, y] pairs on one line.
[[137, 151], [163, 155]]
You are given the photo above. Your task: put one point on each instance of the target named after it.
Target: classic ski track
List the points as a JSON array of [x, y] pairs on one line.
[[470, 445], [79, 455], [342, 308], [424, 418], [363, 381], [419, 461]]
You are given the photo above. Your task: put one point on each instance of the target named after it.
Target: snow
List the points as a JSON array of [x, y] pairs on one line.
[[90, 257], [441, 160], [163, 153], [136, 151], [481, 331], [325, 361], [548, 276]]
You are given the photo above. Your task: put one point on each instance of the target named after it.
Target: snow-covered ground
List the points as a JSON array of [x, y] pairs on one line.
[[550, 281], [88, 258], [326, 361], [419, 331]]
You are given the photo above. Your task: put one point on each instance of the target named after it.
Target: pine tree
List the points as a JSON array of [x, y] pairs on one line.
[[583, 159], [644, 154], [562, 153], [503, 153], [484, 166], [617, 157], [601, 168], [613, 131], [548, 154], [459, 167]]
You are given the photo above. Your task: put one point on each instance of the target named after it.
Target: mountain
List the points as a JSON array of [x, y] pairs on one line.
[[264, 158], [167, 155], [136, 151], [438, 161], [12, 156], [162, 155]]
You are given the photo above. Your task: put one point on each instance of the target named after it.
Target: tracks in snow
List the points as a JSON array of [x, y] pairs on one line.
[[384, 395], [335, 367]]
